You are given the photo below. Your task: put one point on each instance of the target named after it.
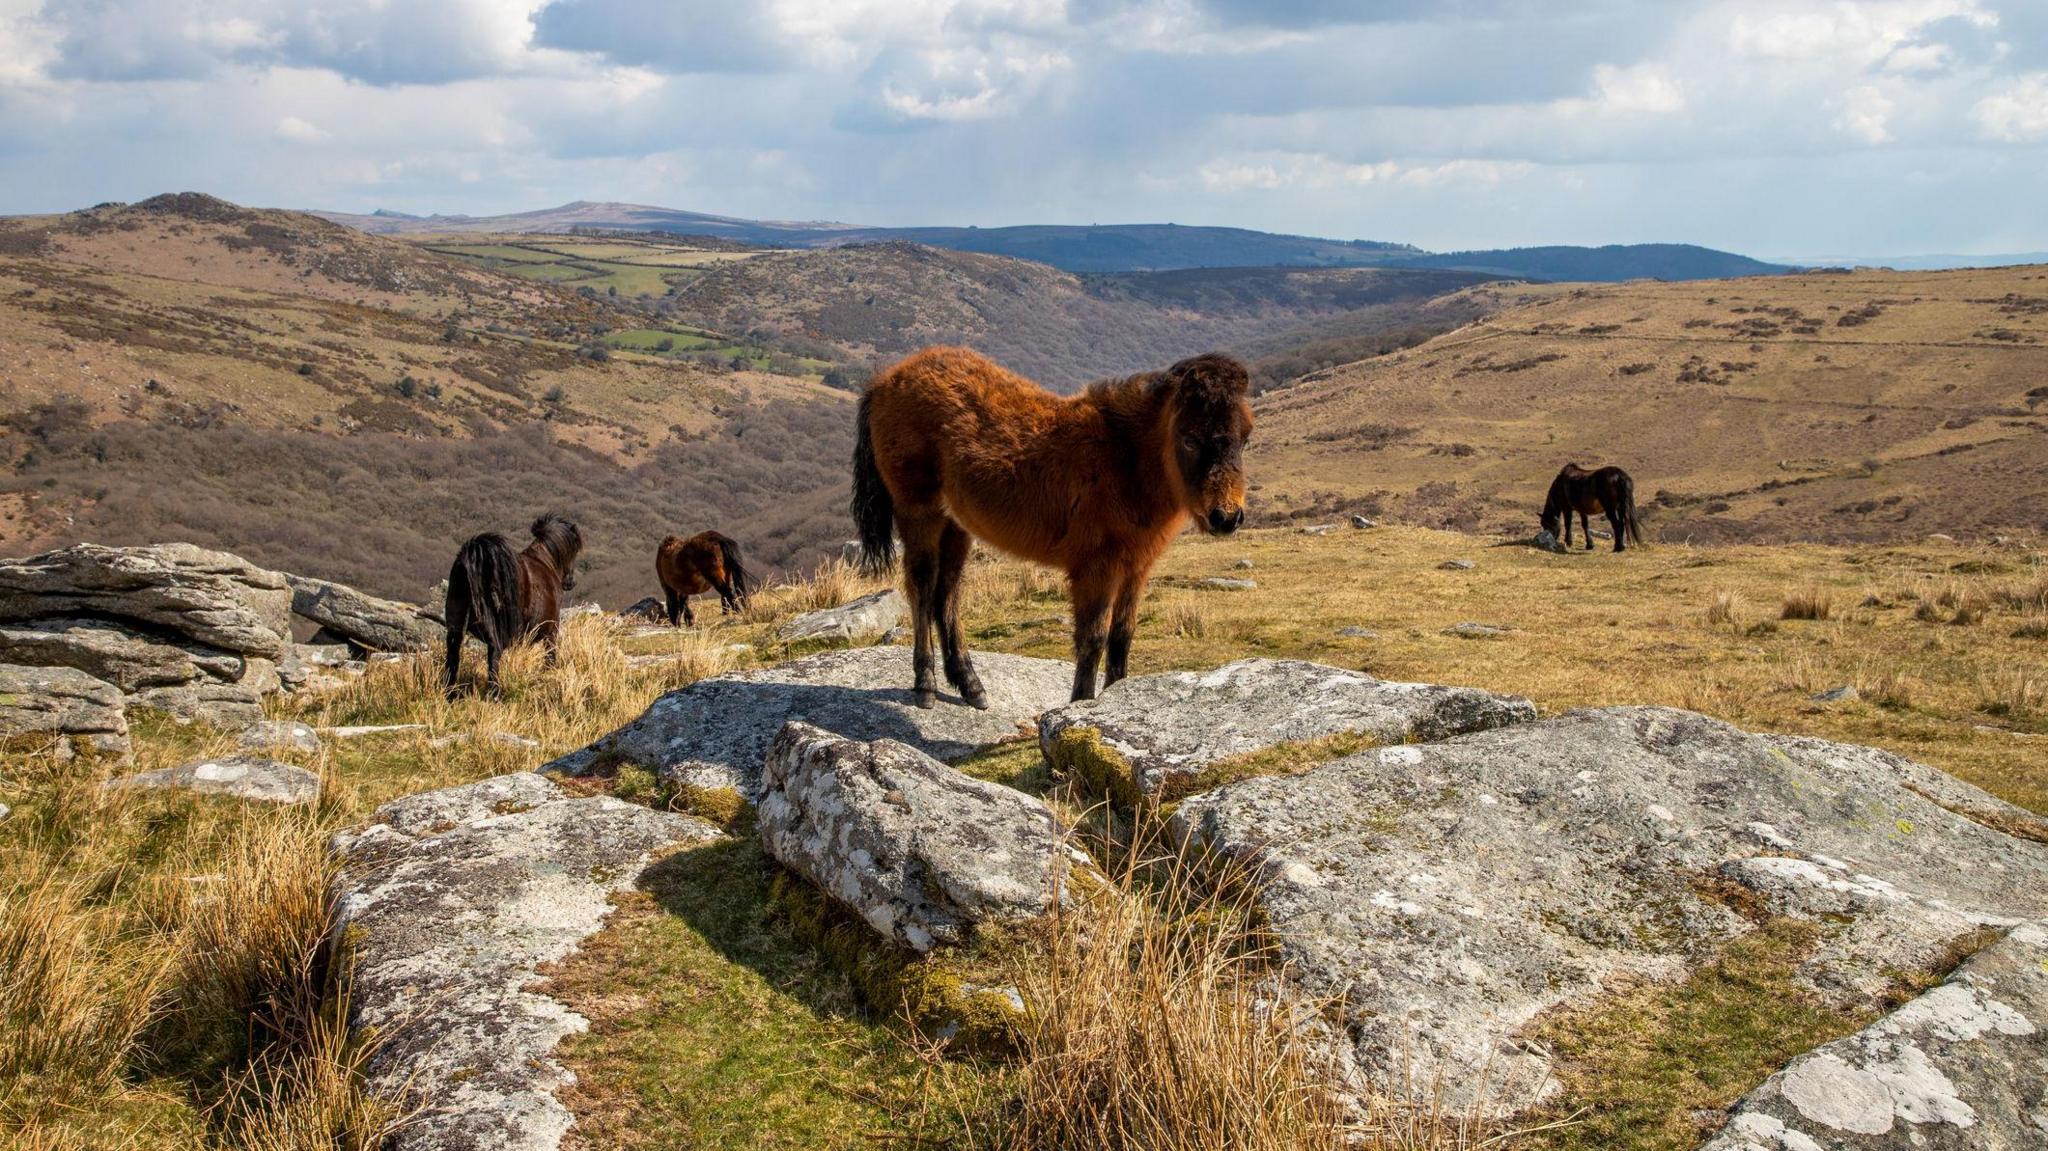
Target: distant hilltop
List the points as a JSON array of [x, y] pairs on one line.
[[1096, 248]]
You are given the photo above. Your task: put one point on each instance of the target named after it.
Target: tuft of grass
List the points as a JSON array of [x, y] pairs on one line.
[[1888, 687], [2017, 693], [1153, 1022], [1184, 616], [1725, 610], [1810, 603]]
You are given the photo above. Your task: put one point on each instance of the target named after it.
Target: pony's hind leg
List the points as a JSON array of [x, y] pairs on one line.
[[921, 581], [954, 547], [1586, 526], [1614, 521]]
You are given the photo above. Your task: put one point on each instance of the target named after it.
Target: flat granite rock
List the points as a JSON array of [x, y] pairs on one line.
[[451, 901], [1160, 731], [920, 852], [365, 620], [715, 732], [870, 615], [63, 708], [1444, 895], [236, 777], [214, 598], [1963, 1067]]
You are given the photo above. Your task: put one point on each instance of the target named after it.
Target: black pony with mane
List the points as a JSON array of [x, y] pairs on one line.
[[1608, 491], [505, 598]]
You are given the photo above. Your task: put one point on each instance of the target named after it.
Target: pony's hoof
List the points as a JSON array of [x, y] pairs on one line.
[[975, 697], [927, 699]]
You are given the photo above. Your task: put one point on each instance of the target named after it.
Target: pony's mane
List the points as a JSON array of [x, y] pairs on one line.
[[1208, 379], [559, 536]]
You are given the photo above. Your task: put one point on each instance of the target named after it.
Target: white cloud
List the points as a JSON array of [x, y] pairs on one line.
[[299, 131], [1283, 171], [2017, 114], [1866, 114]]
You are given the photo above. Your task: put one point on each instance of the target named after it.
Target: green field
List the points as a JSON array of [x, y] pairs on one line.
[[631, 267], [689, 340]]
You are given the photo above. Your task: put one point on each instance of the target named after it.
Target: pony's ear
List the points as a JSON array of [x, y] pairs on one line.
[[1212, 377]]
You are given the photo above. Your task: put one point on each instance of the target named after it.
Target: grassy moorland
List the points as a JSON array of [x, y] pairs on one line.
[[162, 981], [1846, 407]]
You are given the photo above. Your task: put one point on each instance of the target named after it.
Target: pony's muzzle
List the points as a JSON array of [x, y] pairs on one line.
[[1222, 523]]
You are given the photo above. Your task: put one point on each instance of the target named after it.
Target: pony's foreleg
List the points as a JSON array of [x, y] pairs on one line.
[[1567, 527], [1123, 626], [689, 617], [675, 607], [549, 633], [453, 668], [1092, 592], [1586, 525], [954, 547]]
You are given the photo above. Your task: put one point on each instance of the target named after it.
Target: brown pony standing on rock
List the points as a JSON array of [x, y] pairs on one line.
[[1608, 491], [705, 561], [503, 599], [952, 447]]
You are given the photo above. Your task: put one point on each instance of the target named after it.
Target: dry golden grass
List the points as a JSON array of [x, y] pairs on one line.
[[1153, 1025], [1750, 402], [219, 1025], [1810, 603]]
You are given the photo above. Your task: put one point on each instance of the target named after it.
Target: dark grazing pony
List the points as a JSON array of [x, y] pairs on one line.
[[951, 447], [705, 561], [503, 599], [1608, 491]]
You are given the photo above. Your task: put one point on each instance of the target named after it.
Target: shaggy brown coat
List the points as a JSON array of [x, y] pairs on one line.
[[952, 447]]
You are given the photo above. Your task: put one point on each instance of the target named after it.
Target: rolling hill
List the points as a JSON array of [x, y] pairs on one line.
[[1101, 247], [871, 303], [351, 405], [1836, 407]]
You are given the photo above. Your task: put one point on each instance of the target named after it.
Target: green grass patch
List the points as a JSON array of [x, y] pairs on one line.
[[713, 1025], [1636, 1067]]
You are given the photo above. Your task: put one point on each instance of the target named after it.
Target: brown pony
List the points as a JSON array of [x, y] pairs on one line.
[[503, 599], [1608, 491], [950, 448], [688, 567]]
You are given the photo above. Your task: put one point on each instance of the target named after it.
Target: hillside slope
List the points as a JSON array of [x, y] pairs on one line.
[[325, 400], [1872, 406], [875, 302]]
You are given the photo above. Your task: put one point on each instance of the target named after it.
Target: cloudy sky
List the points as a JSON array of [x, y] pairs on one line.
[[1779, 127]]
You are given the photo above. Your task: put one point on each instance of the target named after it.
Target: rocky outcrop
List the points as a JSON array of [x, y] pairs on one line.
[[202, 635], [207, 597], [60, 708], [920, 852], [238, 777], [715, 732], [1154, 735], [868, 616], [364, 620], [451, 902], [1444, 895], [173, 627], [1963, 1067]]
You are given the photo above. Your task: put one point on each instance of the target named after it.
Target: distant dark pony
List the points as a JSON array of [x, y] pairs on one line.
[[950, 447], [704, 562], [1608, 491], [504, 599]]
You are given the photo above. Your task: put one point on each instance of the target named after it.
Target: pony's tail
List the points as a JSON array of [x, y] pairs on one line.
[[735, 571], [874, 510], [485, 580], [1628, 510]]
